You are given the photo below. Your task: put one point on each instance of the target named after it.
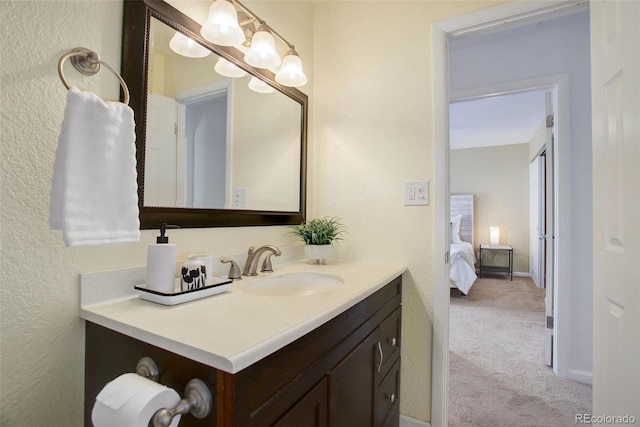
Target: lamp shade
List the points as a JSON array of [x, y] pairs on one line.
[[259, 86], [222, 26], [494, 236], [228, 69], [290, 73], [262, 53], [186, 46]]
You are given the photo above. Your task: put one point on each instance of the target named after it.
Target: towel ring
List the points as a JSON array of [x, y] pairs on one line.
[[88, 63]]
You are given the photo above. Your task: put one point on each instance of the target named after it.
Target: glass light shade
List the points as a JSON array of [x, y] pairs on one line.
[[222, 26], [186, 46], [494, 236], [290, 73], [228, 69], [259, 86], [262, 53]]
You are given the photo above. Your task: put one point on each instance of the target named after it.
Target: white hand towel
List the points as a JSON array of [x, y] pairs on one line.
[[94, 191]]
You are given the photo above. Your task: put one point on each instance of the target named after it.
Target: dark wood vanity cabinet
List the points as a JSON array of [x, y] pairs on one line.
[[360, 392], [344, 373]]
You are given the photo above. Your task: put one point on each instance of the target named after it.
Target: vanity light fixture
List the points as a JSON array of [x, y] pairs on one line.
[[231, 23], [228, 69], [290, 73], [262, 53], [186, 46], [259, 86], [222, 26]]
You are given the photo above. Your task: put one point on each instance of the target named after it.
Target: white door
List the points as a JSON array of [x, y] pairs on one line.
[[615, 75], [160, 182]]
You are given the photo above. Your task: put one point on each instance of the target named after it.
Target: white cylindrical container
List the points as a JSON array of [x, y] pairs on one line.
[[161, 264], [207, 260], [193, 274]]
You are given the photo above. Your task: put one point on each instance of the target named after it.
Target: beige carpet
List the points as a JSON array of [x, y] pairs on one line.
[[497, 375]]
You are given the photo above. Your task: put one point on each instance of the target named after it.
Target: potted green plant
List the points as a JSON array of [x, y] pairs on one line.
[[318, 236]]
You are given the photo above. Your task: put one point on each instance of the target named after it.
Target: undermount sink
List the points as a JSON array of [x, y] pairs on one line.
[[294, 284]]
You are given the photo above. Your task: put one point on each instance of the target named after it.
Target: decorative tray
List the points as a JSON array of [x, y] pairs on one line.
[[217, 285]]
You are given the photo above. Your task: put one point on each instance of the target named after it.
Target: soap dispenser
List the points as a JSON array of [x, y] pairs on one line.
[[161, 264]]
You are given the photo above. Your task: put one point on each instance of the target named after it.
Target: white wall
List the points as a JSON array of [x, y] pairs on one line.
[[553, 47], [373, 130], [266, 148], [42, 337]]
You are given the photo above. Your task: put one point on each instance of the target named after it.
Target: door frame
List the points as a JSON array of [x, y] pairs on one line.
[[512, 13], [557, 86], [201, 93]]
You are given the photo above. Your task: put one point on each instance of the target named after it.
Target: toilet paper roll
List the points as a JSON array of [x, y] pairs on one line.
[[130, 401]]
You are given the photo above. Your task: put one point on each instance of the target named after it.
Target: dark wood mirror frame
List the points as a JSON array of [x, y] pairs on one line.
[[135, 47]]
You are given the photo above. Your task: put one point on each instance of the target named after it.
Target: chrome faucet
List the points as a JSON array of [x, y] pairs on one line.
[[253, 256]]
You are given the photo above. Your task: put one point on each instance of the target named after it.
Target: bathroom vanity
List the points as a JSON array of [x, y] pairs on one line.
[[328, 358]]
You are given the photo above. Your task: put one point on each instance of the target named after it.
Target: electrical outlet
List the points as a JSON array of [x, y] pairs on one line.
[[416, 193], [240, 198]]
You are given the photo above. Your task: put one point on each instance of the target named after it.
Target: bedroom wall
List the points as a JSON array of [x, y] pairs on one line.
[[559, 46], [499, 179]]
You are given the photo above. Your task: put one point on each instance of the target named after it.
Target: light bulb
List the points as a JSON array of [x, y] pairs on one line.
[[222, 26], [259, 86], [186, 46], [290, 73], [262, 53], [228, 69]]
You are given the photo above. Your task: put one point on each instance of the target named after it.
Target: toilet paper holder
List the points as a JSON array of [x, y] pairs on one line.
[[197, 397]]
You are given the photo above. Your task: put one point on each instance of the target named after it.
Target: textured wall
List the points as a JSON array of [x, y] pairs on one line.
[[42, 337], [373, 131]]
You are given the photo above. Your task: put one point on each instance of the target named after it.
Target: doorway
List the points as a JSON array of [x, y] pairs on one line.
[[496, 141], [508, 16]]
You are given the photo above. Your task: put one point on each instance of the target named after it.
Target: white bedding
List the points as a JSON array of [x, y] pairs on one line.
[[462, 270]]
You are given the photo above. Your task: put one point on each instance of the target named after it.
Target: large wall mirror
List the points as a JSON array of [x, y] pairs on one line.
[[211, 151]]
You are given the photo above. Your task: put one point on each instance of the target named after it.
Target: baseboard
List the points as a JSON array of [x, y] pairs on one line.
[[412, 422], [521, 274], [580, 376]]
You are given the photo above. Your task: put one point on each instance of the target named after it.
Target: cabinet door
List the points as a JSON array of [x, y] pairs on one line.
[[351, 386], [310, 411], [389, 342]]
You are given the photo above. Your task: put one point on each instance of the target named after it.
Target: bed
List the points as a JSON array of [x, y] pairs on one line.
[[462, 259]]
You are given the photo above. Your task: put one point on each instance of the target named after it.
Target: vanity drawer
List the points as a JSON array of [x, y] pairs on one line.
[[389, 340], [387, 398]]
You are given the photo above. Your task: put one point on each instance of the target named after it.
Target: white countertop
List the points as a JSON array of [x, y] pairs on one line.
[[233, 330]]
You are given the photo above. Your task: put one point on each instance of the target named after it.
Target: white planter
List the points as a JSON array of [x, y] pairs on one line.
[[318, 253]]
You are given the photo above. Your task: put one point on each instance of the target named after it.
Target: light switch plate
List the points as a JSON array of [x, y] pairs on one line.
[[416, 193]]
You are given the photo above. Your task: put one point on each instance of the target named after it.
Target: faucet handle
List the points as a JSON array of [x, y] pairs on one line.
[[266, 264], [234, 270]]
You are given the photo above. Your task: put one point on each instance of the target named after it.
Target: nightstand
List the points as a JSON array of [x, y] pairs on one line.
[[493, 268]]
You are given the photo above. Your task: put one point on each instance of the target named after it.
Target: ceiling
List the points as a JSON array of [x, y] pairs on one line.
[[497, 120]]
